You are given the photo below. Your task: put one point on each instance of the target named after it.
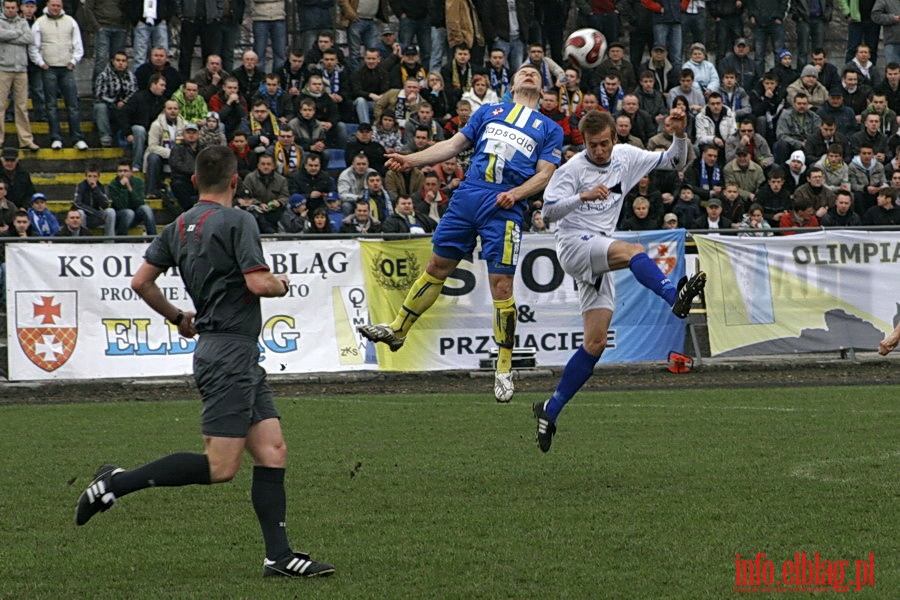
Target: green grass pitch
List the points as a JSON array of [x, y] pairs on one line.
[[644, 495]]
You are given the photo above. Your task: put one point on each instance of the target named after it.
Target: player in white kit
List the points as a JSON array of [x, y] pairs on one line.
[[584, 198]]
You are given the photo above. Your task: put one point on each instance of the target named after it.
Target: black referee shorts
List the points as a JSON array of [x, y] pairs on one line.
[[232, 384]]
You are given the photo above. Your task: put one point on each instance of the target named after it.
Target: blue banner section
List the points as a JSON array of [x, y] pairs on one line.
[[643, 326]]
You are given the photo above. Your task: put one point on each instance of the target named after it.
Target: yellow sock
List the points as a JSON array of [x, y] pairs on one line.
[[505, 332], [421, 296]]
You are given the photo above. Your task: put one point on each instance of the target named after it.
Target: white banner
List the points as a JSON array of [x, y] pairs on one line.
[[72, 314], [801, 293]]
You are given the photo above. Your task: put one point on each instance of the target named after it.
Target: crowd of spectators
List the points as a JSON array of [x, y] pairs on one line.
[[777, 142], [778, 148]]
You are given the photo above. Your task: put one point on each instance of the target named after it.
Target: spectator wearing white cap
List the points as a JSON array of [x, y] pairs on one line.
[[794, 171]]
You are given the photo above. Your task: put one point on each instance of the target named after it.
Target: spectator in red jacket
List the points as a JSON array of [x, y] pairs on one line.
[[550, 108], [802, 214]]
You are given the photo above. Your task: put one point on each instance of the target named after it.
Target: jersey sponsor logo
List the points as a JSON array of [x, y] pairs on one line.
[[600, 206], [47, 327], [511, 137]]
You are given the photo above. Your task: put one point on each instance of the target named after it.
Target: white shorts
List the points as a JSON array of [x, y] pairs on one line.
[[583, 256]]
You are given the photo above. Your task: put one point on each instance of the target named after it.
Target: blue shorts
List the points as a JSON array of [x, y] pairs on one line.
[[473, 212]]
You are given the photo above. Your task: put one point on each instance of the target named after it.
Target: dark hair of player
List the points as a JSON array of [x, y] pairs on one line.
[[214, 169]]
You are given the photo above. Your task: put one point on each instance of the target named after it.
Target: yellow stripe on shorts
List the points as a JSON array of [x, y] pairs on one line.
[[509, 245]]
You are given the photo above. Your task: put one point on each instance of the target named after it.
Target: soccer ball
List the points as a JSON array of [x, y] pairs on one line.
[[585, 48]]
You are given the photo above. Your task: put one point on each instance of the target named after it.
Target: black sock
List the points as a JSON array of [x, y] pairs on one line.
[[270, 506], [181, 468]]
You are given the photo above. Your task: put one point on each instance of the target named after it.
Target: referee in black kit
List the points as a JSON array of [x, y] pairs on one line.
[[218, 252]]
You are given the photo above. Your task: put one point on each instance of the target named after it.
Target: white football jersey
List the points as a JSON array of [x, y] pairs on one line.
[[626, 166]]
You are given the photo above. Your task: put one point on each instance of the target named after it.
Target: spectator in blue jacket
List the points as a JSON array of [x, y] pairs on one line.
[[42, 219]]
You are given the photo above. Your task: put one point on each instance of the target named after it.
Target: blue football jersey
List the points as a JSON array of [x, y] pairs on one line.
[[508, 141]]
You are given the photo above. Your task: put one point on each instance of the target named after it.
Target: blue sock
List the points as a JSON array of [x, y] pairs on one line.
[[578, 370], [648, 275]]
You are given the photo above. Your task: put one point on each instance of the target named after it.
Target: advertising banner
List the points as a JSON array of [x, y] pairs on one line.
[[457, 331], [812, 292], [73, 315]]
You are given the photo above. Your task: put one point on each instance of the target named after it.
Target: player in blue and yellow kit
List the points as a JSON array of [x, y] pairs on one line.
[[517, 149]]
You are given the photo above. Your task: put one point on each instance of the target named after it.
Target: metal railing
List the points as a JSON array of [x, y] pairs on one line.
[[748, 233]]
